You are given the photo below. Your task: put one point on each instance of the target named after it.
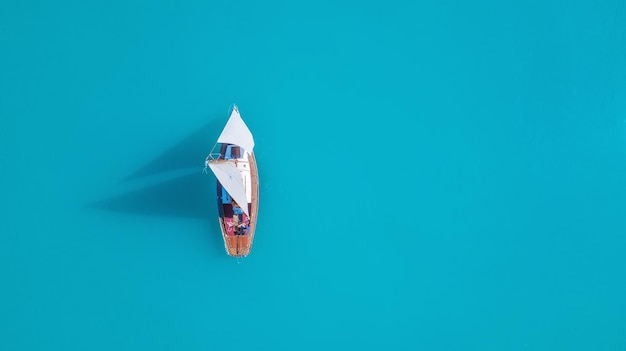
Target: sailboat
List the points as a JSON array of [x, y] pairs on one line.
[[235, 168]]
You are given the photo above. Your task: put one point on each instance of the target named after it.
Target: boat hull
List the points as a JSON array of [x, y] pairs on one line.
[[238, 243]]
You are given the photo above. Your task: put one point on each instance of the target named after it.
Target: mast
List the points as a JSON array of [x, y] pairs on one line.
[[235, 132]]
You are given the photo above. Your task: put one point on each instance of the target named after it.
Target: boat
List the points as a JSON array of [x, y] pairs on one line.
[[236, 171]]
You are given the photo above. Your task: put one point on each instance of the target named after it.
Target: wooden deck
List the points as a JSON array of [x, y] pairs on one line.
[[240, 245]]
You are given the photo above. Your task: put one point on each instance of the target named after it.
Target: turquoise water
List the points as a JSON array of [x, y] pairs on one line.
[[435, 175]]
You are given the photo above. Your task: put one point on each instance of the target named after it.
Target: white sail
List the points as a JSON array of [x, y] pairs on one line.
[[230, 177], [236, 132]]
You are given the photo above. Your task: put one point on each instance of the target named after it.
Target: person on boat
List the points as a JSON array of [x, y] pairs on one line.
[[236, 208], [241, 229]]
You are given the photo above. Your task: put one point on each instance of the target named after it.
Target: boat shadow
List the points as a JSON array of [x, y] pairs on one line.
[[186, 197], [189, 152], [189, 196]]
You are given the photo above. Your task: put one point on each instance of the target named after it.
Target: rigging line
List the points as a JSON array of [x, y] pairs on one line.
[[211, 152]]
